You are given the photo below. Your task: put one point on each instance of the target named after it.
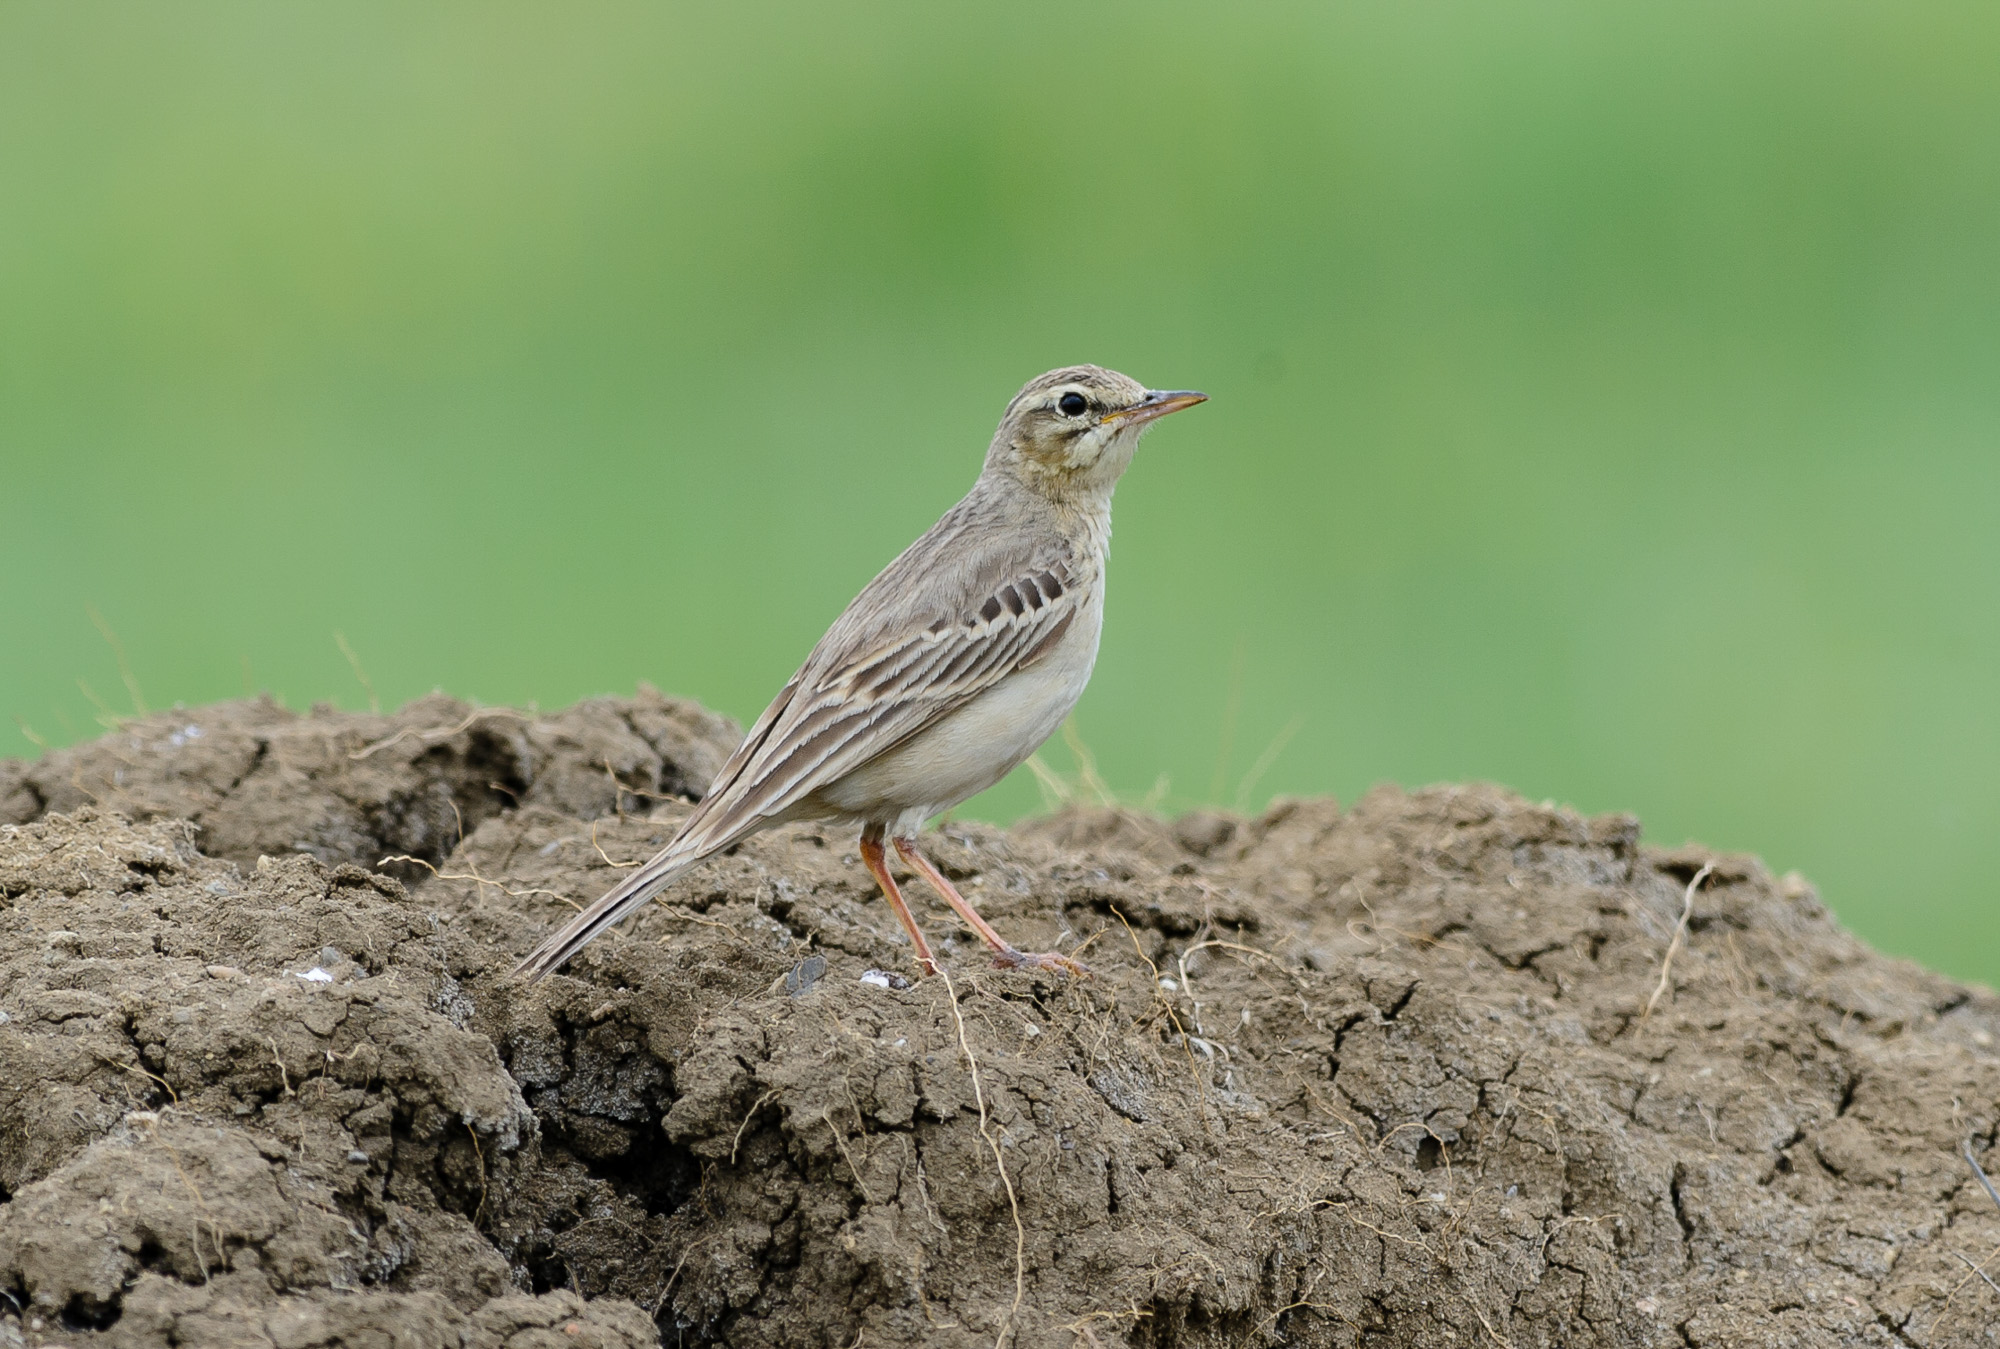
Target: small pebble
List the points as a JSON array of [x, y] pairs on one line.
[[224, 972], [884, 979], [804, 975]]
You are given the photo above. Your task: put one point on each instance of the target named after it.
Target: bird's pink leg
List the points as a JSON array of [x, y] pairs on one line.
[[878, 865], [1004, 954]]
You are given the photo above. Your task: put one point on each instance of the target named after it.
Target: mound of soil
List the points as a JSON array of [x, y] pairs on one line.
[[1447, 1068]]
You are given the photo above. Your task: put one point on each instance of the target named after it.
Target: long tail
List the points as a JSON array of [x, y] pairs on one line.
[[619, 900]]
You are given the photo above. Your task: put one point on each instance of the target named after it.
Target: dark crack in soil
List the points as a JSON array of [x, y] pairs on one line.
[[1375, 1077]]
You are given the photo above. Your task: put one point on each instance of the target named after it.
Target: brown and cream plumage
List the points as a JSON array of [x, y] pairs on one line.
[[947, 670]]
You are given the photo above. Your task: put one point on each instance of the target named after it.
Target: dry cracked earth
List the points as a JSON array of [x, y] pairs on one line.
[[1434, 1070]]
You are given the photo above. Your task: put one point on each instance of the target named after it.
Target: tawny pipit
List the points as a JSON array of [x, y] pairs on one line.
[[946, 671]]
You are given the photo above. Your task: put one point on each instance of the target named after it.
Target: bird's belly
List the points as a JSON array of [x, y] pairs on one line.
[[974, 747]]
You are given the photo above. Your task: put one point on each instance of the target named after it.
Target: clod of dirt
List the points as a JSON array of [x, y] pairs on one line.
[[343, 787], [1378, 1077]]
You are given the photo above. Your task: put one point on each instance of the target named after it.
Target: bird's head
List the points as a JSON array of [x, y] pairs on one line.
[[1072, 431]]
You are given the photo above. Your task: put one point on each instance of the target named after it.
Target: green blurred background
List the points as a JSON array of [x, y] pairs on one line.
[[1606, 400]]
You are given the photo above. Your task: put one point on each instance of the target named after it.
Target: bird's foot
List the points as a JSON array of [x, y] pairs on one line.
[[1010, 959]]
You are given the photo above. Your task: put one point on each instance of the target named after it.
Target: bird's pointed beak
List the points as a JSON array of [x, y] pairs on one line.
[[1156, 404]]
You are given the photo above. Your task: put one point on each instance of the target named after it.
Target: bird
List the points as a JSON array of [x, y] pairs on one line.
[[945, 673]]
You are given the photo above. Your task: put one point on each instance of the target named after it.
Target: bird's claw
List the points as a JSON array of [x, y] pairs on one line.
[[1010, 959]]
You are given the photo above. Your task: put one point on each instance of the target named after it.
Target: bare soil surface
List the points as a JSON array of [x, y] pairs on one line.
[[1435, 1070]]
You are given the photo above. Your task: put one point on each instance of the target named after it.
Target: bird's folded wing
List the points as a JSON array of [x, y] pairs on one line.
[[853, 702]]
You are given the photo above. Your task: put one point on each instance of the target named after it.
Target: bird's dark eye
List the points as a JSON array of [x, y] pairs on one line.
[[1072, 404]]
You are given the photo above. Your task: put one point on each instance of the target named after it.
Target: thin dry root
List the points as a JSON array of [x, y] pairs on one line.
[[999, 1163], [436, 734], [1680, 936]]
